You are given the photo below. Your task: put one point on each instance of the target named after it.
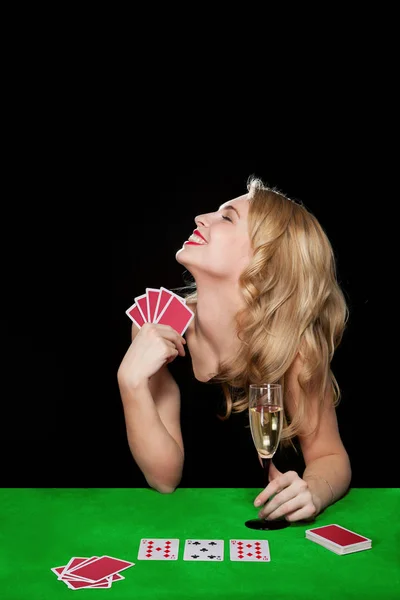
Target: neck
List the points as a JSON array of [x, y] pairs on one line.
[[212, 338]]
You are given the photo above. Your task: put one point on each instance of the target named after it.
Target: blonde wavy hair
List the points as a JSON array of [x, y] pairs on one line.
[[294, 305]]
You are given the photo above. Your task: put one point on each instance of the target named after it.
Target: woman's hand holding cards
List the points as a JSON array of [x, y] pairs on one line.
[[153, 347], [150, 398]]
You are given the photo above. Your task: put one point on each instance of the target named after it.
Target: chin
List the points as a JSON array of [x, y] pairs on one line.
[[179, 257]]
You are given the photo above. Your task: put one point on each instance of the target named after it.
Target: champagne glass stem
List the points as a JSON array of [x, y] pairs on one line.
[[266, 462]]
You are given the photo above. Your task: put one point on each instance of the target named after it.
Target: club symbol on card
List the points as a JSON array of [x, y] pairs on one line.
[[208, 550]]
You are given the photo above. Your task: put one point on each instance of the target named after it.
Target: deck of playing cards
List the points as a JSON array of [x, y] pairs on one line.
[[94, 572], [338, 539], [159, 305]]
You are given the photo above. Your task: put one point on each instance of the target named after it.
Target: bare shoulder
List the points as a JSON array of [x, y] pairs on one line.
[[293, 382], [292, 374], [319, 432], [316, 408], [295, 394]]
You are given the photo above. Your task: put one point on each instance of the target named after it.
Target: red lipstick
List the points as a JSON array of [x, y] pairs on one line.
[[197, 232]]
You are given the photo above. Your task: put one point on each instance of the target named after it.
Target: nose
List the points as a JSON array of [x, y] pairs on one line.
[[202, 220]]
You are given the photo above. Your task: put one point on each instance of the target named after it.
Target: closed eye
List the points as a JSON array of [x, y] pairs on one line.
[[227, 218]]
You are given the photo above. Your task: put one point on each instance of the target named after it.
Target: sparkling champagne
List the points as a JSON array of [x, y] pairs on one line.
[[266, 425]]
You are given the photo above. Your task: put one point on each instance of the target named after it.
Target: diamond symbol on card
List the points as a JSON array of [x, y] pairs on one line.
[[158, 549], [249, 545], [148, 554], [249, 554]]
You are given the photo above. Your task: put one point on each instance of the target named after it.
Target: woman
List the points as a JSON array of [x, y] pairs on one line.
[[267, 308]]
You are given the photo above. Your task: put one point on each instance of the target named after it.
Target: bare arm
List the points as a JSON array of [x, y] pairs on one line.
[[328, 470], [327, 475], [152, 413]]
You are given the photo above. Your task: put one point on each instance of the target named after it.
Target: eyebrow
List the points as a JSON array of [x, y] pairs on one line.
[[231, 207]]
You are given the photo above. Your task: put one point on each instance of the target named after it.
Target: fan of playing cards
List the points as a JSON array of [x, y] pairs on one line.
[[94, 572], [159, 305]]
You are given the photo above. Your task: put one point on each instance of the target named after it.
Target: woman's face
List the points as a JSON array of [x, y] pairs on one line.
[[220, 244]]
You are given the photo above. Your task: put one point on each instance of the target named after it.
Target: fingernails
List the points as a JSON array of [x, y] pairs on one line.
[[257, 503]]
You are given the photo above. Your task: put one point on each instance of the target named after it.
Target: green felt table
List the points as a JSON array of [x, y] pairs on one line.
[[41, 528]]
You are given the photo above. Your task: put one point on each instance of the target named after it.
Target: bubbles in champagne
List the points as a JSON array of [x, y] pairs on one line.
[[266, 426]]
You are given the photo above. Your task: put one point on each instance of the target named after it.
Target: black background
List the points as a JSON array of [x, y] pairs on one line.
[[103, 231]]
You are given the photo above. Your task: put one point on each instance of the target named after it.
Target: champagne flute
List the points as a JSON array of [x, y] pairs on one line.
[[266, 419]]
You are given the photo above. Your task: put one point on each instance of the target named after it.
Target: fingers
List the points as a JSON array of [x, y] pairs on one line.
[[284, 496], [172, 357], [281, 508], [275, 486], [171, 351], [288, 497], [307, 513], [167, 333]]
